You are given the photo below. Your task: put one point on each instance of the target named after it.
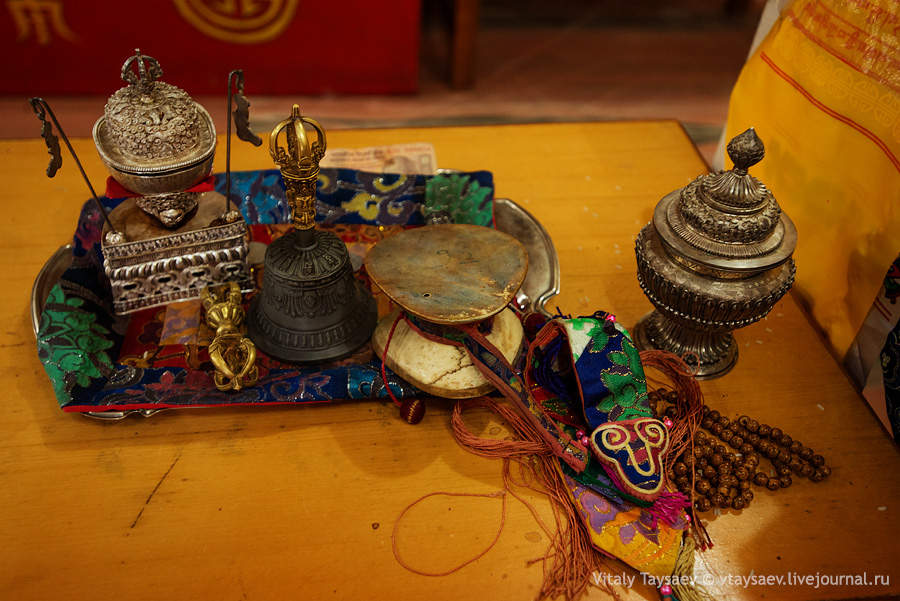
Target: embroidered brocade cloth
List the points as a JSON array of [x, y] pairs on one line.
[[585, 374], [98, 361], [628, 532]]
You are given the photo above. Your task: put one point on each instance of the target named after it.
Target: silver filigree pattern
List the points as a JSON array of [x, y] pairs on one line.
[[159, 123], [718, 221], [148, 273], [170, 209], [152, 137]]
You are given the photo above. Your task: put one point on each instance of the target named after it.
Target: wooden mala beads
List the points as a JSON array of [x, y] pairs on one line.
[[723, 466]]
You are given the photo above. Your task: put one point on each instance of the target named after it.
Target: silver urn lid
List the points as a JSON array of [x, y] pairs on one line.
[[727, 223]]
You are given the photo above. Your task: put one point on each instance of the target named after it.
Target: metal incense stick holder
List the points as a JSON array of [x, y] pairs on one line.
[[716, 257], [311, 308]]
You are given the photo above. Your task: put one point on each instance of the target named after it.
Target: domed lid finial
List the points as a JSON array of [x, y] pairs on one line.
[[728, 214], [746, 150], [148, 70]]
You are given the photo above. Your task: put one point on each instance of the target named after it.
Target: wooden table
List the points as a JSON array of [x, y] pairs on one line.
[[299, 503]]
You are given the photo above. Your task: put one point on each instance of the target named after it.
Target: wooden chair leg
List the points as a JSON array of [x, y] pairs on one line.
[[462, 53]]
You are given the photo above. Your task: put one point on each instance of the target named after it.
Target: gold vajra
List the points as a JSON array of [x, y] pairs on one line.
[[232, 354], [298, 159]]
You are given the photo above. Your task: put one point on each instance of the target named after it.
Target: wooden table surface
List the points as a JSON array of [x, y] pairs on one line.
[[299, 503]]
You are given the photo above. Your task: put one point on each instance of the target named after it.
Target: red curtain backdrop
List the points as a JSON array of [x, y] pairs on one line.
[[284, 46]]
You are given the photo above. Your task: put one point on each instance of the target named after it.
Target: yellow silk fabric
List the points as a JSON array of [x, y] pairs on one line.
[[620, 533], [823, 92]]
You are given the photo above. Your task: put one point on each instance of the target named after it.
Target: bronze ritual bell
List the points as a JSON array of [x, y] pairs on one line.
[[311, 308], [716, 257]]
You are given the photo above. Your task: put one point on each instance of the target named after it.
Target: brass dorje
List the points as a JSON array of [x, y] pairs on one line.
[[715, 258], [311, 308]]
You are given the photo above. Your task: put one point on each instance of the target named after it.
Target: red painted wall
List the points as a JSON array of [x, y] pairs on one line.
[[284, 46]]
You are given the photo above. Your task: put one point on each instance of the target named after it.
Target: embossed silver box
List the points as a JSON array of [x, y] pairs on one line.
[[155, 265]]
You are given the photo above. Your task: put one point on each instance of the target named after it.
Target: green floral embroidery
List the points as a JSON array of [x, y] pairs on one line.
[[71, 345], [625, 380], [590, 330], [580, 323], [625, 394], [461, 197], [627, 390]]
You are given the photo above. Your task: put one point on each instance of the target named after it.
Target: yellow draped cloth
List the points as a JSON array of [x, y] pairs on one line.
[[823, 92]]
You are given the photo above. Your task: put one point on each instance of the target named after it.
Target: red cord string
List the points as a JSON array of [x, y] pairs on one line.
[[387, 343], [402, 562], [688, 414], [570, 559]]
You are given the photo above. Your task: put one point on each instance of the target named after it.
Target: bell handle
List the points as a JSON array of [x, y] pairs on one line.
[[299, 166], [318, 147], [301, 195], [299, 151]]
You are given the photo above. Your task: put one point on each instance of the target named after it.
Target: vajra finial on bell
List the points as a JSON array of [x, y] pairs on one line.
[[297, 154]]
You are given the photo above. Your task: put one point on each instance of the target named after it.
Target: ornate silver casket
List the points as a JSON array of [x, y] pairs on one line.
[[169, 243]]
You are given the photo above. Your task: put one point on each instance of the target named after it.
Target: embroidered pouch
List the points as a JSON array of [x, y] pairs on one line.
[[587, 372], [628, 532]]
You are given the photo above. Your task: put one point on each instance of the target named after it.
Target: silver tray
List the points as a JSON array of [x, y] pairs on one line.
[[541, 282]]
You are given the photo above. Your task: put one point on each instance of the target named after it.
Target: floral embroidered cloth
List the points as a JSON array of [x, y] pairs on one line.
[[628, 532]]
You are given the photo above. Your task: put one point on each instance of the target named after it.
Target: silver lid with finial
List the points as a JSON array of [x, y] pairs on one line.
[[153, 137], [728, 220]]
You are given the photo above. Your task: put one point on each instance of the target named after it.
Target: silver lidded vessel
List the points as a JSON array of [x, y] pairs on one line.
[[169, 243], [152, 137], [716, 257]]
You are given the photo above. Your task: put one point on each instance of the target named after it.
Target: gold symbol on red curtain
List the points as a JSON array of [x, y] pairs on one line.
[[43, 18], [239, 21]]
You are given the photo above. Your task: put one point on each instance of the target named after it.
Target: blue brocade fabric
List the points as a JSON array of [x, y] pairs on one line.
[[350, 196], [614, 387], [80, 336]]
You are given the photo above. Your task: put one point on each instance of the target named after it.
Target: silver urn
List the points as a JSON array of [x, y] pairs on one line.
[[716, 257]]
